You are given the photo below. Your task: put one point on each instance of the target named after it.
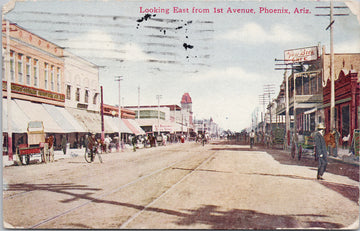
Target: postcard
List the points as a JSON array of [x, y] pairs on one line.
[[177, 114]]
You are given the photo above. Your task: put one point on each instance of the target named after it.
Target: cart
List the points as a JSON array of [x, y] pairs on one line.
[[36, 144], [302, 145]]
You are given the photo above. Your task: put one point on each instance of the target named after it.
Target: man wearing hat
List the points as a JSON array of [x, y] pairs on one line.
[[92, 145], [321, 152]]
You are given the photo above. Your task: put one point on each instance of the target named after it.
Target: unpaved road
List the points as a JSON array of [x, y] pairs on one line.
[[182, 186]]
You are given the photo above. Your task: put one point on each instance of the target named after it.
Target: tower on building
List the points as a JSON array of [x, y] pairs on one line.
[[186, 107]]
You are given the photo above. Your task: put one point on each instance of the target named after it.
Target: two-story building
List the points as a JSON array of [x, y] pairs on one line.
[[35, 68]]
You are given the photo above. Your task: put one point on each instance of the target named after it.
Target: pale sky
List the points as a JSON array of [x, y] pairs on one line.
[[231, 58]]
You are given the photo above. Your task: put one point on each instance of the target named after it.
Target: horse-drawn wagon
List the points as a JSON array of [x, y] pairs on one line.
[[36, 144]]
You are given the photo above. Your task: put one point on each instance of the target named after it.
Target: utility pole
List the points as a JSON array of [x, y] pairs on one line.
[[102, 114], [119, 78], [269, 90], [158, 97], [138, 102], [332, 69], [287, 115], [262, 101]]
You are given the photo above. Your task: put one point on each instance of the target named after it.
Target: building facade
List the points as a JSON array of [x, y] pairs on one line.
[[82, 89], [36, 67]]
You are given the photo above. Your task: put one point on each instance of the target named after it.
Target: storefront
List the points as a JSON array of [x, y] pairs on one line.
[[347, 93]]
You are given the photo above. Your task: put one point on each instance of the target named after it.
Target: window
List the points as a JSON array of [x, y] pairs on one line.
[[12, 66], [36, 72], [28, 70], [345, 120], [58, 80], [77, 95], [52, 83], [86, 96], [46, 74], [68, 92], [20, 68], [306, 85], [95, 98]]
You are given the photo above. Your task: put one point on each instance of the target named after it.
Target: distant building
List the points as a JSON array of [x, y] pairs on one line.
[[164, 119], [186, 109]]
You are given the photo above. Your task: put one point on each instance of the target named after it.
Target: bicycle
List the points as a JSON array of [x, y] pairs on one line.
[[88, 155]]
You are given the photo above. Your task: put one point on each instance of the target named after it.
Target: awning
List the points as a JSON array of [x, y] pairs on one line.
[[134, 127], [91, 121], [112, 125], [64, 119], [36, 111], [19, 119]]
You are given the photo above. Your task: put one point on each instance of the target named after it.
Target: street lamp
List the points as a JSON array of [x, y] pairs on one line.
[[119, 78], [158, 97]]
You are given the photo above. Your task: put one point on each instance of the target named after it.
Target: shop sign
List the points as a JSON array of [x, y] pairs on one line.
[[26, 90], [301, 55], [163, 128]]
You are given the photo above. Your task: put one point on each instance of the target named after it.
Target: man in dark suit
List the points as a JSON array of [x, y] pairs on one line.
[[321, 151]]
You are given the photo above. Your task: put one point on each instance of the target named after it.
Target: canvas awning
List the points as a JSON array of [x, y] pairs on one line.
[[19, 119], [64, 119], [36, 111], [91, 121], [112, 125], [134, 127]]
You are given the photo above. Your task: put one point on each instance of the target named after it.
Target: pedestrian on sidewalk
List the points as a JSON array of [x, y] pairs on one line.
[[107, 142], [134, 142], [321, 151], [63, 144], [252, 137], [336, 137], [92, 145]]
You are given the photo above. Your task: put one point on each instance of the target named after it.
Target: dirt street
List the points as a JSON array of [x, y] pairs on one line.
[[180, 186]]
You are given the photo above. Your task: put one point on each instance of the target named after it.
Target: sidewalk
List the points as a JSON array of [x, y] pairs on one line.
[[346, 157], [58, 155]]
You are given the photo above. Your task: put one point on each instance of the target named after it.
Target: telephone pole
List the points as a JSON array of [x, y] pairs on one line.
[[262, 101], [119, 78], [269, 90], [332, 69]]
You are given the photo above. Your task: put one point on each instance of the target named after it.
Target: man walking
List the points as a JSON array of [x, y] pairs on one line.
[[92, 145], [252, 137], [321, 152]]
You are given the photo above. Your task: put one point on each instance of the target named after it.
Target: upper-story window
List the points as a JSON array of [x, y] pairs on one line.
[[68, 92], [86, 96], [28, 70], [46, 74], [77, 95], [36, 72], [58, 80], [95, 98], [20, 69], [12, 67], [52, 79]]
